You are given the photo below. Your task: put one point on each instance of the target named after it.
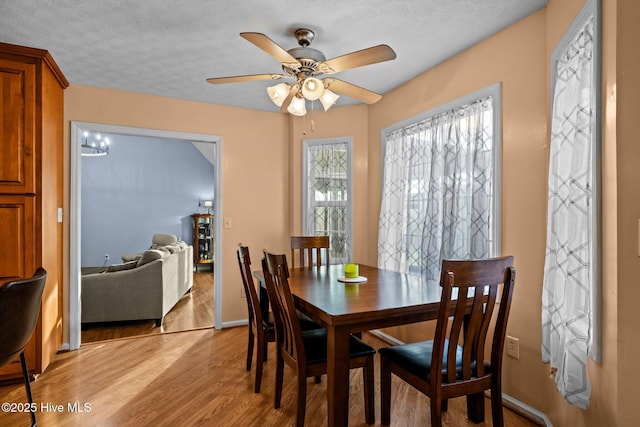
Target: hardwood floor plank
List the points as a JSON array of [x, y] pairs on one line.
[[198, 378]]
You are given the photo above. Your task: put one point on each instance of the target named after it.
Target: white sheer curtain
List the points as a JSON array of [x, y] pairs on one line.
[[437, 191], [568, 277]]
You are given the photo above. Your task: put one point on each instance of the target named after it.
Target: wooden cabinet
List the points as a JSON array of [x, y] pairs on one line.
[[202, 239], [31, 188]]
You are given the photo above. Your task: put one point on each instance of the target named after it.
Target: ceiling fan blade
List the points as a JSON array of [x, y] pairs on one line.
[[271, 47], [359, 58], [252, 77], [353, 91]]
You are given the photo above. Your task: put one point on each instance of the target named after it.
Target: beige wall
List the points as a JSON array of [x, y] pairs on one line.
[[348, 121], [517, 58], [255, 175], [262, 183], [628, 176]]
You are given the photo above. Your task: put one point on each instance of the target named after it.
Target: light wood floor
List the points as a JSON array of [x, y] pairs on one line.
[[194, 310], [196, 378]]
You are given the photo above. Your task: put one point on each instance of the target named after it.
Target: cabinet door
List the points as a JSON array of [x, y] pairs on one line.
[[18, 243], [17, 259], [17, 127]]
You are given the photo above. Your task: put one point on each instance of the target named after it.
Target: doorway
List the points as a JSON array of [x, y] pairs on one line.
[[208, 143]]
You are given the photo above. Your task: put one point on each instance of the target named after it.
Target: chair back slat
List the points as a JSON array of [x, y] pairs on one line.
[[253, 301], [477, 284], [288, 331], [309, 251]]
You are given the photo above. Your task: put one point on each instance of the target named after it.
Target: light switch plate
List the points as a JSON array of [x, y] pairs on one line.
[[227, 222]]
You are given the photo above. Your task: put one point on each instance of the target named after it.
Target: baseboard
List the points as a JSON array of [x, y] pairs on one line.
[[513, 404], [234, 323], [385, 337], [525, 410]]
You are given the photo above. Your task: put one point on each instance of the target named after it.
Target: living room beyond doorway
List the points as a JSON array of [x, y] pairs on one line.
[[123, 204], [193, 311]]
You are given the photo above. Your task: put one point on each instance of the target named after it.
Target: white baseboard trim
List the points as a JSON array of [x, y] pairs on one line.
[[525, 410], [508, 401], [385, 337], [234, 323]]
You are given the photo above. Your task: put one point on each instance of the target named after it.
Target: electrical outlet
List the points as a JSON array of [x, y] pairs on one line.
[[513, 347]]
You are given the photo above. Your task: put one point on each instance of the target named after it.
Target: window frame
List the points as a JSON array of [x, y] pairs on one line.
[[306, 144], [590, 8]]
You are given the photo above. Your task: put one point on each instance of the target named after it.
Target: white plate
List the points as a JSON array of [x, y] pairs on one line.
[[359, 279]]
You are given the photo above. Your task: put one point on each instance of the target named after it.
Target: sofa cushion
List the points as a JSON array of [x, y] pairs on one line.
[[162, 239], [120, 267], [151, 255]]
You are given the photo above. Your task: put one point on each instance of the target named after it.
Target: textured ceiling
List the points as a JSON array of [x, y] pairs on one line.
[[169, 48]]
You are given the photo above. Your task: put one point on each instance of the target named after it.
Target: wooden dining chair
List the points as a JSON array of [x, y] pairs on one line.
[[453, 363], [309, 250], [261, 329], [20, 302], [306, 351]]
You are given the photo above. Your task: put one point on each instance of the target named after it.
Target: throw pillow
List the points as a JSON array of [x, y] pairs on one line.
[[150, 255], [120, 267], [162, 239]]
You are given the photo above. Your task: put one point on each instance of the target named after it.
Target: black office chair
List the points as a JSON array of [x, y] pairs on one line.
[[19, 308]]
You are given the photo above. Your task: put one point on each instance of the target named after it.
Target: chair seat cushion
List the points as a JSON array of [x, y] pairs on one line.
[[306, 324], [315, 346], [268, 323], [416, 357]]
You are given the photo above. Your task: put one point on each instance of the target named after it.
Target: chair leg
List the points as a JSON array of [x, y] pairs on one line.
[[250, 348], [302, 400], [385, 392], [27, 386], [475, 407], [436, 411], [265, 350], [259, 363], [496, 405], [369, 399], [279, 379]]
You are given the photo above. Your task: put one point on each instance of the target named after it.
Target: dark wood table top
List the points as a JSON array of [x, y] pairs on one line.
[[387, 298]]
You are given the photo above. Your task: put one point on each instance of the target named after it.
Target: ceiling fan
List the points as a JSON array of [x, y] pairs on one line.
[[306, 64]]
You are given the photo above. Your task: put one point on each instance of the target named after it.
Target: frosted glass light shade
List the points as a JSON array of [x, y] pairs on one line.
[[278, 93], [297, 107], [328, 98], [312, 88]]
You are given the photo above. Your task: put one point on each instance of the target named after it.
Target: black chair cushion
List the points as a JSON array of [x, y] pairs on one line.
[[315, 346], [306, 324], [268, 323], [416, 357]]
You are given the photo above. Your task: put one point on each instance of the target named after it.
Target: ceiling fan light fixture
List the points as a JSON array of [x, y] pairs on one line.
[[328, 98], [312, 88], [297, 106], [278, 93]]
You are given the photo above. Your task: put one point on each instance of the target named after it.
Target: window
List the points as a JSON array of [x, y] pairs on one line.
[[571, 294], [440, 174], [327, 193]]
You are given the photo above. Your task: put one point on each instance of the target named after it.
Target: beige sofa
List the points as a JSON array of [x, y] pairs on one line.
[[147, 286]]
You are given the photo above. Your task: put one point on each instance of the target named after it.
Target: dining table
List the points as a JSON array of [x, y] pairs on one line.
[[385, 299]]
